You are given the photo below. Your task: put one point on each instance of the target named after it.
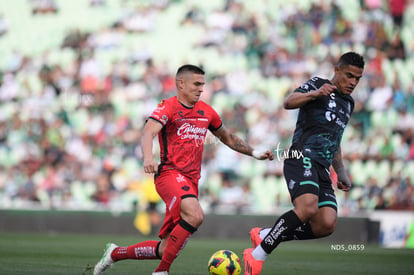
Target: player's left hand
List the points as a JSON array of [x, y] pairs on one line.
[[344, 183], [263, 154]]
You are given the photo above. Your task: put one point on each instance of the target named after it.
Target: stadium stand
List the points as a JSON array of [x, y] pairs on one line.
[[79, 77]]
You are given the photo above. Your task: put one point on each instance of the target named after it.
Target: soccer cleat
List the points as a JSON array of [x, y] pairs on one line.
[[106, 261], [251, 265], [255, 236], [160, 273]]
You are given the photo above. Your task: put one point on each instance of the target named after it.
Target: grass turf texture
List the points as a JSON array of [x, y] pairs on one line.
[[25, 253]]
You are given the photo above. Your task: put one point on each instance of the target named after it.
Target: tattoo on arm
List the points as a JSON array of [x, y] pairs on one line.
[[240, 145], [233, 141]]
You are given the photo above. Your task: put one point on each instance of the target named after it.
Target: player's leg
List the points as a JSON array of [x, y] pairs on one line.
[[302, 180], [304, 190], [141, 251], [305, 207], [320, 225], [152, 249], [146, 250], [254, 258], [192, 217], [187, 215], [324, 222]]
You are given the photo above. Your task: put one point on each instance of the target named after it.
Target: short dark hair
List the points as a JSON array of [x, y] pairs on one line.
[[189, 68], [351, 58]]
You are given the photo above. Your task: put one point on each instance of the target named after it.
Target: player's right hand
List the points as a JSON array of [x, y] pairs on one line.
[[261, 155], [150, 166], [325, 90]]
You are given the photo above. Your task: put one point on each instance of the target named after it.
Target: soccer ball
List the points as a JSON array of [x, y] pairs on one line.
[[224, 262]]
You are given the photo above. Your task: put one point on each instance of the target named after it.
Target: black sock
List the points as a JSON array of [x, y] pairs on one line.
[[303, 232], [285, 225]]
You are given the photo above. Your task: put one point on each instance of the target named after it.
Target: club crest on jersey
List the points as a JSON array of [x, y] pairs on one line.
[[161, 103], [200, 112]]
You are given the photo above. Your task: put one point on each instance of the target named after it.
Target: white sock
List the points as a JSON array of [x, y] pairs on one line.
[[264, 232], [259, 254]]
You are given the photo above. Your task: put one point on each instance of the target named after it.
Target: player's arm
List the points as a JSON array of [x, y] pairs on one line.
[[151, 130], [298, 99], [239, 145], [343, 180]]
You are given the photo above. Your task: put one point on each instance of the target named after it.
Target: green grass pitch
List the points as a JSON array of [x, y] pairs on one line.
[[26, 253]]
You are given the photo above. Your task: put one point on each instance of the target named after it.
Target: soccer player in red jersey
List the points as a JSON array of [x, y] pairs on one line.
[[181, 123]]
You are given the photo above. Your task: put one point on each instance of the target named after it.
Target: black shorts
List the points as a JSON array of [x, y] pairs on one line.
[[304, 176]]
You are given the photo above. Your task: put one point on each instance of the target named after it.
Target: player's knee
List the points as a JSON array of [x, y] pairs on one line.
[[310, 211], [194, 218], [326, 227], [329, 227], [306, 212], [198, 219], [306, 206], [192, 212]]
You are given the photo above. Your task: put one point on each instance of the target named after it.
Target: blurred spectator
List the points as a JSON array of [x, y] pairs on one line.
[[97, 3], [397, 10], [142, 19], [4, 25], [44, 6], [74, 39], [381, 94], [193, 16], [9, 89], [396, 48], [231, 195]]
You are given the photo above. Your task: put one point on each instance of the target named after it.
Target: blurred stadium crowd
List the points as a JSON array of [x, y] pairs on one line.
[[79, 78]]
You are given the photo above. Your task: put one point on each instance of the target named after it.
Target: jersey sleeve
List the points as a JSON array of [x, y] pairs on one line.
[[215, 122], [161, 113], [310, 85]]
